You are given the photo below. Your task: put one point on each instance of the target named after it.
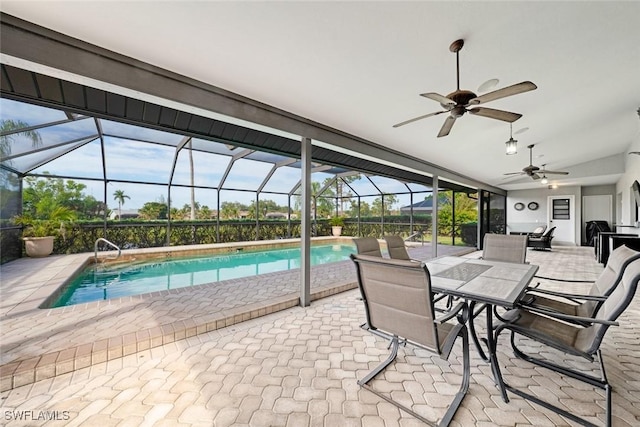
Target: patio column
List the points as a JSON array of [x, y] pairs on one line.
[[218, 215], [411, 214], [104, 180], [453, 218], [381, 215], [288, 216], [359, 221], [434, 218], [305, 237]]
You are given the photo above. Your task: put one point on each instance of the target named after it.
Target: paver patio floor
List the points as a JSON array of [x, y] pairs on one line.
[[299, 367]]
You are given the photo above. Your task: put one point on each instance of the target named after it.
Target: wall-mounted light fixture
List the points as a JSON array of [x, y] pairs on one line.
[[511, 144]]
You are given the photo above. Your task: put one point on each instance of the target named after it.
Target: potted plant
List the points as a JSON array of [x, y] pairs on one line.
[[39, 234], [336, 225]]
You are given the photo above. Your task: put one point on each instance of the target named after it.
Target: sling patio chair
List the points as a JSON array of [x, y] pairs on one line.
[[396, 247], [584, 305], [502, 248], [556, 330], [398, 306], [398, 250], [368, 246], [505, 248]]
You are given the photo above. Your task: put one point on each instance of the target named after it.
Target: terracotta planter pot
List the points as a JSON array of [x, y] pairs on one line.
[[38, 247]]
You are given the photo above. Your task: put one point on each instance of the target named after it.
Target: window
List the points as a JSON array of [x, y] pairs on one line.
[[561, 209]]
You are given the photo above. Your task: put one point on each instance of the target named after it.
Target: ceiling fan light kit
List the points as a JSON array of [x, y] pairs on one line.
[[511, 144], [457, 103]]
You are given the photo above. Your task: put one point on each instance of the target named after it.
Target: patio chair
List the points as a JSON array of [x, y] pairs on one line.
[[506, 248], [543, 242], [368, 246], [538, 231], [397, 248], [551, 329], [583, 305], [398, 305], [497, 247]]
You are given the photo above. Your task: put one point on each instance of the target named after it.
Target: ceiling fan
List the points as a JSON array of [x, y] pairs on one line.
[[534, 171], [456, 103]]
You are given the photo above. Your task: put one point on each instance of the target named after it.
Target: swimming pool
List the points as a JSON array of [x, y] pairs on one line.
[[97, 283]]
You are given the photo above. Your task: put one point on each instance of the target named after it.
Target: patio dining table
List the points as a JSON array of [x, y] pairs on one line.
[[489, 283]]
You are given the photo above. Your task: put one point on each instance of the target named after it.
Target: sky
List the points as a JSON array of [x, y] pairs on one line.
[[129, 159]]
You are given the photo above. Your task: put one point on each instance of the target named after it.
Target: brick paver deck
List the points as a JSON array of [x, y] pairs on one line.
[[299, 367]]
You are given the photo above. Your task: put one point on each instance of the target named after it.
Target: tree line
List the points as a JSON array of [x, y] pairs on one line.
[[42, 196]]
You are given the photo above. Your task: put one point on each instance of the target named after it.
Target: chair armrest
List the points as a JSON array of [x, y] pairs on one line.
[[438, 297], [452, 313], [563, 280], [447, 346], [568, 296], [568, 317]]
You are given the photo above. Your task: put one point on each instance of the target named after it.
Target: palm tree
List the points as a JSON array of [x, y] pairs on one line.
[[119, 196], [11, 128]]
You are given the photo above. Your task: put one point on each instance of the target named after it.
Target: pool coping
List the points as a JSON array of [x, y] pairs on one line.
[[58, 362]]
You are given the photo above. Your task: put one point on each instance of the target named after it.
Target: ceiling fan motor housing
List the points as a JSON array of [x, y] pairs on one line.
[[460, 97]]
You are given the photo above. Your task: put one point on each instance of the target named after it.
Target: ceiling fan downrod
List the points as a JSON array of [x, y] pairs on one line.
[[455, 47]]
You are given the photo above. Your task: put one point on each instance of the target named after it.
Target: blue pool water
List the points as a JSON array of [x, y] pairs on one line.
[[95, 284]]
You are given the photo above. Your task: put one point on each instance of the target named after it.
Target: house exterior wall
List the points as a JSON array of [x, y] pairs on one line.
[[527, 220], [628, 210]]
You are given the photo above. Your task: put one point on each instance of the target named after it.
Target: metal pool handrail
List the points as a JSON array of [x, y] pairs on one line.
[[95, 249], [416, 234]]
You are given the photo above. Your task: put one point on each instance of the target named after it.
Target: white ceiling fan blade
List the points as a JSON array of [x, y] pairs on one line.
[[503, 93], [446, 127], [439, 98], [418, 118], [515, 176], [555, 172], [505, 116]]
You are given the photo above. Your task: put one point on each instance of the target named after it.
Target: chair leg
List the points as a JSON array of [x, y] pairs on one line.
[[600, 383], [589, 379], [394, 344], [464, 387]]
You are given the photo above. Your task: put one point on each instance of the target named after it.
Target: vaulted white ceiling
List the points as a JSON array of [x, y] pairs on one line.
[[360, 67]]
